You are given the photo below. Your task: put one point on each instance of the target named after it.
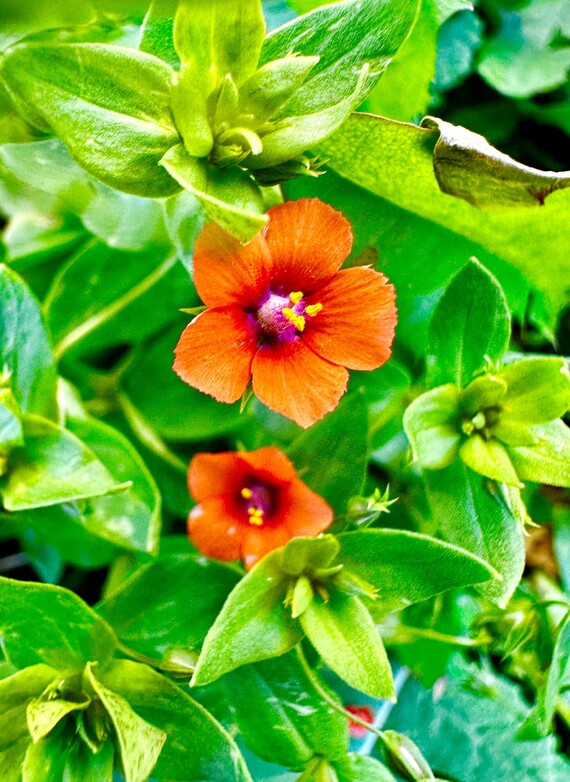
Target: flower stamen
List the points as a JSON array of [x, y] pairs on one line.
[[297, 320], [313, 309]]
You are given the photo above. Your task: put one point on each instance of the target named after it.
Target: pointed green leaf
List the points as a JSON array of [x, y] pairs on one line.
[[157, 32], [16, 692], [456, 350], [191, 114], [343, 633], [25, 350], [483, 518], [432, 426], [53, 466], [489, 458], [273, 84], [140, 743], [484, 391], [45, 712], [218, 37], [407, 567], [253, 624], [230, 196], [197, 748], [538, 390], [48, 624], [549, 460], [282, 717], [110, 105], [294, 135], [345, 36]]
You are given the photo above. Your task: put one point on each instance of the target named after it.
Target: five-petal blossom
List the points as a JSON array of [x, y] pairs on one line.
[[281, 312], [250, 504]]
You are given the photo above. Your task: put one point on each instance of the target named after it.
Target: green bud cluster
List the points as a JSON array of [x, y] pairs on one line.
[[494, 423]]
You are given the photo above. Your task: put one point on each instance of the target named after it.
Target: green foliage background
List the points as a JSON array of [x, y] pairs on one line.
[[107, 613]]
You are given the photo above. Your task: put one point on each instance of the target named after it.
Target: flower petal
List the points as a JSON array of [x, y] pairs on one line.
[[227, 272], [292, 380], [308, 241], [259, 541], [355, 327], [214, 474], [215, 351], [214, 531], [271, 465], [304, 512]]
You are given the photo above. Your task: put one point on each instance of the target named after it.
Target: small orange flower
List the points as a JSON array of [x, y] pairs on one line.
[[280, 311], [250, 504]]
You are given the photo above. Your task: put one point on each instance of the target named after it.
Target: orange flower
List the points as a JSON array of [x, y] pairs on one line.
[[281, 311], [250, 504]]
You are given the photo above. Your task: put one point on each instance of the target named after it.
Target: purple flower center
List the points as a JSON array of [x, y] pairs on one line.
[[283, 317], [259, 502]]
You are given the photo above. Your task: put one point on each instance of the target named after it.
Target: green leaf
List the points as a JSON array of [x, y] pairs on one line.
[[48, 624], [157, 32], [197, 748], [273, 84], [360, 768], [407, 567], [62, 755], [339, 473], [54, 466], [539, 722], [16, 692], [538, 390], [191, 114], [139, 742], [483, 518], [489, 458], [171, 626], [218, 38], [229, 196], [395, 161], [294, 135], [103, 297], [456, 351], [110, 105], [25, 350], [282, 717], [431, 424], [130, 518], [253, 624], [176, 411], [346, 36], [46, 711], [343, 633], [549, 460]]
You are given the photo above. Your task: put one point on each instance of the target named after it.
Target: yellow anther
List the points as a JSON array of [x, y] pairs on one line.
[[255, 516], [246, 493], [297, 320], [313, 309], [296, 297]]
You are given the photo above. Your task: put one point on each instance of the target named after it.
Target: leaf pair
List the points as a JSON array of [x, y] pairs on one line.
[[400, 567]]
